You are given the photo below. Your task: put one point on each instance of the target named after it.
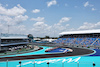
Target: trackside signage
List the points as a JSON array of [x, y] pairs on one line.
[[68, 60]]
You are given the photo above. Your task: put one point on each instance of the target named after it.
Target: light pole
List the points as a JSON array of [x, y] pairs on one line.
[[62, 64], [20, 63], [34, 64], [93, 64], [7, 64], [48, 64], [0, 41], [8, 29], [77, 64]]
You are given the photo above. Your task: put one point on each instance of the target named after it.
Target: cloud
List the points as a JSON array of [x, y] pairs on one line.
[[38, 19], [15, 11], [12, 16], [20, 18], [60, 28], [86, 4], [64, 19], [13, 29], [87, 25], [19, 29], [43, 29], [13, 20], [93, 9], [53, 2], [36, 11], [40, 26]]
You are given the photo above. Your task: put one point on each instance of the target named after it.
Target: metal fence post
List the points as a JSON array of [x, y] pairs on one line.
[[93, 64], [77, 64], [20, 63], [34, 63], [48, 64], [7, 64]]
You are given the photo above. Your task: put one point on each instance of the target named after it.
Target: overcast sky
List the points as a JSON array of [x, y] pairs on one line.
[[48, 17]]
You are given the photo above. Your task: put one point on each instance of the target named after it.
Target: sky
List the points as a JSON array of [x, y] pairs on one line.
[[48, 17]]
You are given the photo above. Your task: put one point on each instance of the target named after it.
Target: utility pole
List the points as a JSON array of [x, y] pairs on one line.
[[8, 28], [0, 41]]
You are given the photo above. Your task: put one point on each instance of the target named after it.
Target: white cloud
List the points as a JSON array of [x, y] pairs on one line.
[[16, 29], [53, 2], [36, 11], [21, 28], [87, 25], [38, 19], [20, 18], [64, 19], [12, 16], [38, 24], [93, 9], [60, 28], [67, 25], [13, 20], [86, 4], [17, 10], [42, 29], [1, 26]]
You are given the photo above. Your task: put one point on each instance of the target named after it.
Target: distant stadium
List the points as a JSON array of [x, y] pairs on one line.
[[86, 38], [71, 49]]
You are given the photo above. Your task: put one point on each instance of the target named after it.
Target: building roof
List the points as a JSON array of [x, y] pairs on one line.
[[81, 32], [13, 36]]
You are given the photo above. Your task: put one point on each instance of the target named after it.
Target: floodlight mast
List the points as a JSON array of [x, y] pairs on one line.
[[8, 28], [0, 41]]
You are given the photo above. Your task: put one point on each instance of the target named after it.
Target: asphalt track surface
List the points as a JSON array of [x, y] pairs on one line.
[[76, 52]]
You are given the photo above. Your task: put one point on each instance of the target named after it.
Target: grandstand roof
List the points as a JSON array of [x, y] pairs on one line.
[[81, 32], [14, 38]]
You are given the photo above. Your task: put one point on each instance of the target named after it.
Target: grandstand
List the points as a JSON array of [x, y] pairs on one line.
[[65, 53], [85, 38]]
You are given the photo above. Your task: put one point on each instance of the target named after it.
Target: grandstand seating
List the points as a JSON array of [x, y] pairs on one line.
[[77, 41]]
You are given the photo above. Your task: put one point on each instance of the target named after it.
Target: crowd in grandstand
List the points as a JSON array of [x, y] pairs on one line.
[[82, 41]]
